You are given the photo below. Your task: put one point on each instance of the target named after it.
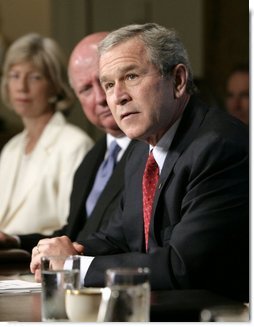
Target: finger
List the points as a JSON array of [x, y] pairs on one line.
[[35, 263], [37, 275], [36, 251], [43, 249], [44, 241], [79, 248]]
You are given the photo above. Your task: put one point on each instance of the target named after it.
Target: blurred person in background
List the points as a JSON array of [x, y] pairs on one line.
[[83, 219], [237, 93], [37, 165]]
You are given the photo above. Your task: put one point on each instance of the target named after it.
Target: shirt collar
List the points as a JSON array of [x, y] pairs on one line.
[[123, 141], [161, 149]]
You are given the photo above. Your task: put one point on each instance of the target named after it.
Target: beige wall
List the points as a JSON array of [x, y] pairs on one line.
[[19, 17], [215, 32], [69, 20], [184, 15]]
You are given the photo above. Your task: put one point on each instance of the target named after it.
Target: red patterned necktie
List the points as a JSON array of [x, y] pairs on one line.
[[150, 180]]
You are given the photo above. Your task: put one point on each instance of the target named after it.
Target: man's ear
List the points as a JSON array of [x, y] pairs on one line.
[[180, 77]]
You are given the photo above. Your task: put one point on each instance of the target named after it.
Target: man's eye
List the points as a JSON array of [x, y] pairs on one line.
[[85, 89], [131, 77], [108, 86]]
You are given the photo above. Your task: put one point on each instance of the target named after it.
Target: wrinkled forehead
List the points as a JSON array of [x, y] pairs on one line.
[[131, 51], [135, 43]]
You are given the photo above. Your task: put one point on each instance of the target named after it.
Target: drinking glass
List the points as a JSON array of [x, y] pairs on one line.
[[126, 297], [56, 278]]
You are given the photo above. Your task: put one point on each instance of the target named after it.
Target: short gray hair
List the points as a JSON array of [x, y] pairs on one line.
[[48, 57], [163, 45]]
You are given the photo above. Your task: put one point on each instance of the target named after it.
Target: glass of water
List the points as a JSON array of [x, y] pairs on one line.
[[56, 278], [126, 297]]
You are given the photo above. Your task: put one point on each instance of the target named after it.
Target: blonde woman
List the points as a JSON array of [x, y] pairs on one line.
[[37, 166]]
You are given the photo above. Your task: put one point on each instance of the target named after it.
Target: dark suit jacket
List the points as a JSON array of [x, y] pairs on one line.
[[78, 226], [199, 228]]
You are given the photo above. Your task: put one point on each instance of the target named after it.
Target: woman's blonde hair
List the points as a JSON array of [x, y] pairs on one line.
[[49, 58]]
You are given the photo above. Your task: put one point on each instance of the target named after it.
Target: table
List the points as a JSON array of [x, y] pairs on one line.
[[170, 306], [173, 306]]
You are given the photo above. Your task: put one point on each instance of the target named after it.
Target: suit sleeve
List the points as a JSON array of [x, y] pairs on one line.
[[29, 241]]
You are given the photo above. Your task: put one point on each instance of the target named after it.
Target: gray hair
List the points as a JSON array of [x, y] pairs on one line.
[[48, 57], [163, 45]]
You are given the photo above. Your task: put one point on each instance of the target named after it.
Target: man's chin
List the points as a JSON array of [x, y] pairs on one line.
[[108, 121], [113, 129]]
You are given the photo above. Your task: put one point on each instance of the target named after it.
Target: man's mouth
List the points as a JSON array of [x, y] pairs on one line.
[[127, 115]]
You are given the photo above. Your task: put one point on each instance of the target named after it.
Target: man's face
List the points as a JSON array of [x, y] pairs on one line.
[[85, 82], [237, 96], [141, 100]]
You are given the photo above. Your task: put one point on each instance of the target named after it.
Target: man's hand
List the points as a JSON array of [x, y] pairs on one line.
[[7, 241], [52, 246], [79, 248]]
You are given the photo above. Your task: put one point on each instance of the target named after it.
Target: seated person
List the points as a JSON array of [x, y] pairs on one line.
[[237, 93], [185, 211], [37, 165], [84, 79]]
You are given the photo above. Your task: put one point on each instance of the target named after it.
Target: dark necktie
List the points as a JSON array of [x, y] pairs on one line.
[[150, 180], [104, 172]]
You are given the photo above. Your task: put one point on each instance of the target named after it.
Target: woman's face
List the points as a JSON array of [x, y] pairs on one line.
[[29, 90]]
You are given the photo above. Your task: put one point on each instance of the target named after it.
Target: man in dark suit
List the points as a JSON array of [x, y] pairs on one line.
[[83, 74], [198, 229]]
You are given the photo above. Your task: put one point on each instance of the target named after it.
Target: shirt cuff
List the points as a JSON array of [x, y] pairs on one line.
[[85, 263]]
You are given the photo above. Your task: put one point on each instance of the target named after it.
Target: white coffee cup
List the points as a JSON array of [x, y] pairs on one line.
[[83, 304]]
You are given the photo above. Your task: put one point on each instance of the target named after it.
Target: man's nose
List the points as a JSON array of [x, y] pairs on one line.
[[121, 94]]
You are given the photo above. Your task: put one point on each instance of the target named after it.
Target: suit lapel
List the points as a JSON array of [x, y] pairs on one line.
[[133, 213], [39, 157], [192, 118], [83, 182], [112, 189]]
